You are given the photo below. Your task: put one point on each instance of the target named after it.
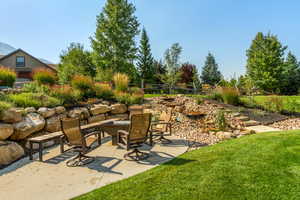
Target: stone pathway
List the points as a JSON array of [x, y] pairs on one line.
[[262, 129], [53, 180]]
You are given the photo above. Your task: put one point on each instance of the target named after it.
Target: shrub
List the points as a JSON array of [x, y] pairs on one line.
[[122, 97], [4, 106], [275, 103], [104, 75], [121, 82], [35, 87], [44, 76], [135, 99], [33, 100], [292, 105], [220, 120], [85, 86], [104, 91], [7, 77], [230, 95], [199, 100], [64, 93]]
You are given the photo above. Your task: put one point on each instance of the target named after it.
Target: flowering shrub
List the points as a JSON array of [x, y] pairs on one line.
[[82, 82], [7, 77], [121, 82], [64, 93], [103, 90], [44, 76], [35, 87]]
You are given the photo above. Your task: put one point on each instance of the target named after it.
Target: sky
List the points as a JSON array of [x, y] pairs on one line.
[[223, 27]]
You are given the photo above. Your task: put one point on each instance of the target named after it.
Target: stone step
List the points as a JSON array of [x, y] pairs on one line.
[[236, 114], [242, 118], [251, 123], [262, 129]]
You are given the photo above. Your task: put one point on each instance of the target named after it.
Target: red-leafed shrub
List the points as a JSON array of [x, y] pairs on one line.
[[7, 77], [44, 76]]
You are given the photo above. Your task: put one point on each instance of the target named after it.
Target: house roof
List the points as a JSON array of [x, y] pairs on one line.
[[51, 66]]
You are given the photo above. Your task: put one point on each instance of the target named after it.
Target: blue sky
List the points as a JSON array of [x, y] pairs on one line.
[[223, 27]]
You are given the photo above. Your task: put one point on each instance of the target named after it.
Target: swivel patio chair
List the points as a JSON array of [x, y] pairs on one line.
[[162, 127], [77, 139], [135, 137]]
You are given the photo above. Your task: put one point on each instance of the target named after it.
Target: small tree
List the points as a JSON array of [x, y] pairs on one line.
[[75, 60], [187, 73], [210, 72], [145, 60], [172, 63]]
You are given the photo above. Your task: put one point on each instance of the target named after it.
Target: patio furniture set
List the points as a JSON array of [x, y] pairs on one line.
[[131, 134]]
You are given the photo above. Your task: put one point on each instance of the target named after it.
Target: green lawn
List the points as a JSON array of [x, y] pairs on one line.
[[263, 166], [289, 103]]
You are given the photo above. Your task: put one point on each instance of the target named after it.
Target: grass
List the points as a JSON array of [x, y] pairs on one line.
[[289, 103], [259, 167]]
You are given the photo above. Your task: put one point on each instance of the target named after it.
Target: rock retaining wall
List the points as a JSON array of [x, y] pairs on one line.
[[18, 124]]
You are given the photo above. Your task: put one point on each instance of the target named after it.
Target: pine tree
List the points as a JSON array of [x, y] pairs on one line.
[[114, 40], [291, 82], [265, 62], [210, 73], [145, 60]]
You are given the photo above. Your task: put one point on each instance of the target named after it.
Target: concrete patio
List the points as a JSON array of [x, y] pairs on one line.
[[53, 180]]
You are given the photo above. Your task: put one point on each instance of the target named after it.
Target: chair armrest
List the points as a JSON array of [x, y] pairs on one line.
[[160, 123], [123, 132], [91, 133]]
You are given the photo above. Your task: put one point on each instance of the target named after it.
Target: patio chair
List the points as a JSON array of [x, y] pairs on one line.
[[135, 137], [162, 127], [77, 139]]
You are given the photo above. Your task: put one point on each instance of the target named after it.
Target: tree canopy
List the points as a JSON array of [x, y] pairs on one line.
[[210, 73]]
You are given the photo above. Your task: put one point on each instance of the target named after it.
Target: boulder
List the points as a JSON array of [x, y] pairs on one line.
[[46, 112], [53, 123], [96, 118], [118, 108], [6, 130], [60, 110], [118, 116], [30, 110], [99, 109], [32, 123], [224, 135], [10, 151], [82, 113], [11, 115]]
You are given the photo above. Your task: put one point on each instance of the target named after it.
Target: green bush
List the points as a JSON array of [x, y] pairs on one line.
[[44, 76], [122, 97], [35, 87], [121, 82], [104, 75], [220, 120], [135, 99], [7, 77], [33, 100], [65, 94], [4, 106], [275, 103], [103, 90], [230, 95], [199, 100]]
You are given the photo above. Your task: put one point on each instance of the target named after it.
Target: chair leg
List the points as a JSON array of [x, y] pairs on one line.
[[136, 155], [80, 160]]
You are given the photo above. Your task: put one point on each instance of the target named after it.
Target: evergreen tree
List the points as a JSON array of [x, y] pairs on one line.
[[114, 40], [75, 60], [265, 62], [291, 73], [145, 60], [210, 72]]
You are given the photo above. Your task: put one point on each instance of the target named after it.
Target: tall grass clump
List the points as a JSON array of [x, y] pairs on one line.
[[64, 93], [7, 77], [103, 90], [44, 76], [84, 84], [230, 95], [121, 82]]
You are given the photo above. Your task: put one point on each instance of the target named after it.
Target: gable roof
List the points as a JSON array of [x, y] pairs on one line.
[[52, 67]]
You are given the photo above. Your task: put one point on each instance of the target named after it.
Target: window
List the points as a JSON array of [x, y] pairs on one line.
[[20, 62]]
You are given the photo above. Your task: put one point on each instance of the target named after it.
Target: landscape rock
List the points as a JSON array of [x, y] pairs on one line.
[[82, 113], [46, 112], [53, 123], [60, 110], [11, 115], [118, 116], [32, 123], [96, 118], [6, 130], [30, 110], [118, 108], [99, 109], [224, 135], [10, 151]]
